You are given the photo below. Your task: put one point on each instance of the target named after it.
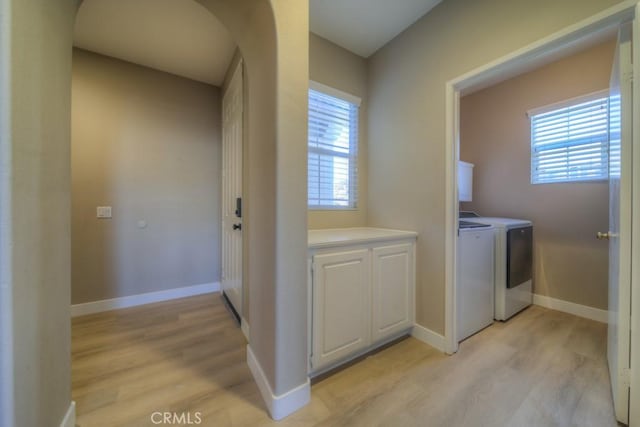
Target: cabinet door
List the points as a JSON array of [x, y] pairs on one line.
[[393, 289], [341, 306]]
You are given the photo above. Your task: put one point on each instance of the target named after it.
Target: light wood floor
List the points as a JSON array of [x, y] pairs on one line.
[[542, 368]]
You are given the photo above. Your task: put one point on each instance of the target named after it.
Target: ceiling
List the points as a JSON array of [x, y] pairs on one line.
[[153, 33], [364, 26]]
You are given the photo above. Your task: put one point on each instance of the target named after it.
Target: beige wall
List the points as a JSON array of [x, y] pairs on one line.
[[273, 38], [292, 83], [406, 95], [336, 67], [570, 264], [7, 377], [148, 144], [35, 375]]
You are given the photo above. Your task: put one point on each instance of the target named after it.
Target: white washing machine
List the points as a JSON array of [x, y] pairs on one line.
[[475, 278], [513, 263]]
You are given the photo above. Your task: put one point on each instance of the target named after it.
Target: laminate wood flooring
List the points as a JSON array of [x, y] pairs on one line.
[[542, 368]]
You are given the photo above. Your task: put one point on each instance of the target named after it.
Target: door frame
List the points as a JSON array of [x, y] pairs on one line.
[[634, 410], [534, 55], [7, 326]]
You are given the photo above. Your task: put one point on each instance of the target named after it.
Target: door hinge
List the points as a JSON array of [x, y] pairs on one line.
[[628, 76], [625, 377], [311, 361]]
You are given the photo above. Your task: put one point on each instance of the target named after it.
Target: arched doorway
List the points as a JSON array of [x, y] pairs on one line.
[[273, 37]]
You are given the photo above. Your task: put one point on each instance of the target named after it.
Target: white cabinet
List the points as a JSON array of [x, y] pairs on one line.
[[362, 292], [340, 305], [465, 181], [392, 286]]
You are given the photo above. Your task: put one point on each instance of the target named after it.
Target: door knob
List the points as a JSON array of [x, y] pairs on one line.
[[603, 236], [237, 226]]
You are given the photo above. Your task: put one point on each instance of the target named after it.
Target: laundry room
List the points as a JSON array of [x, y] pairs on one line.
[[534, 149]]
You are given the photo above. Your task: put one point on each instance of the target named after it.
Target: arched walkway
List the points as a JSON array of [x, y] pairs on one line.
[[34, 248]]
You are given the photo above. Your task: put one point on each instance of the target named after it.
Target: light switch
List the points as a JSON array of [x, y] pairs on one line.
[[104, 212]]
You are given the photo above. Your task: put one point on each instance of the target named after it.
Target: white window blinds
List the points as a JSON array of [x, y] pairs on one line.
[[570, 143], [615, 130], [332, 148]]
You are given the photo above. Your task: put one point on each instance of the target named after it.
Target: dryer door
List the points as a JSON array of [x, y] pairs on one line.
[[519, 256]]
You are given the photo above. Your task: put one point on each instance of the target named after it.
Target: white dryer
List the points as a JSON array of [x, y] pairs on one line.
[[513, 263]]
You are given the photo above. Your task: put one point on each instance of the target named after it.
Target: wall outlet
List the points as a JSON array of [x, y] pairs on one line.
[[103, 212]]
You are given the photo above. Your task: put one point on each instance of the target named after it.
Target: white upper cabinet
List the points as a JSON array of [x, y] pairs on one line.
[[465, 181]]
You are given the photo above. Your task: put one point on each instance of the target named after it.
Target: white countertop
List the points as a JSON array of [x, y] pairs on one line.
[[332, 237]]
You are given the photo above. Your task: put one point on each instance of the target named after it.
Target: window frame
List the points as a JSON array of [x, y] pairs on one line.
[[352, 155], [603, 96]]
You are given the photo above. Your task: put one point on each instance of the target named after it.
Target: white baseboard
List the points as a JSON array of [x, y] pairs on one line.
[[244, 326], [69, 419], [427, 336], [285, 404], [587, 312], [140, 299]]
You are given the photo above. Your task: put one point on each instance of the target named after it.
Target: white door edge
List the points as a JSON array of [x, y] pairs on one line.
[[634, 401], [231, 224]]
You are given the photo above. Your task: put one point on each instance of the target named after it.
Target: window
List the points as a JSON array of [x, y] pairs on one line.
[[333, 148], [569, 140]]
